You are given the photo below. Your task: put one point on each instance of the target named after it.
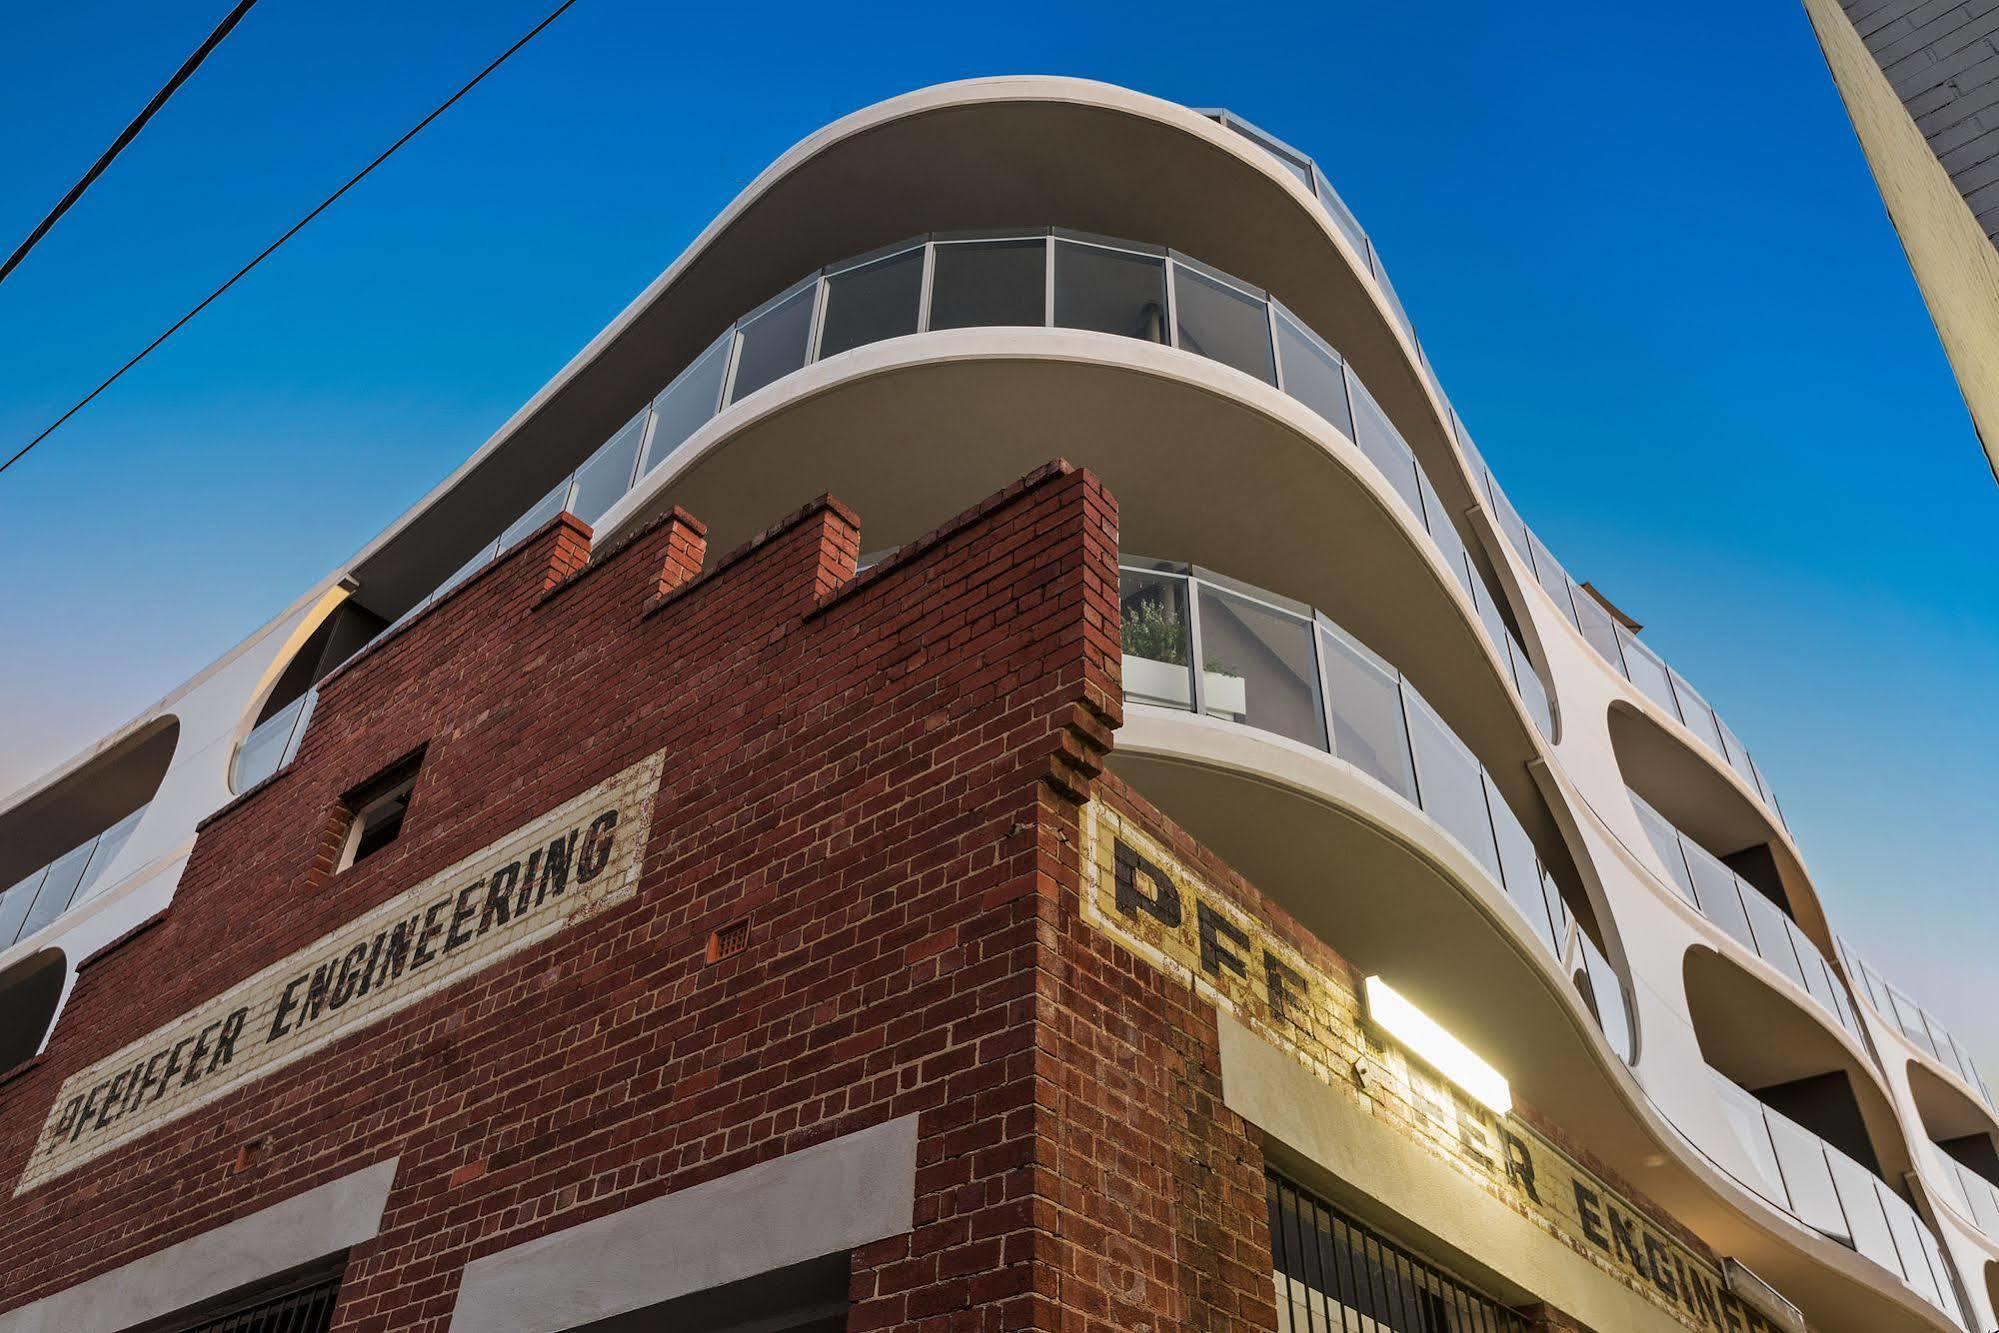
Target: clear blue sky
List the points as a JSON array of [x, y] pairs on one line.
[[1642, 248]]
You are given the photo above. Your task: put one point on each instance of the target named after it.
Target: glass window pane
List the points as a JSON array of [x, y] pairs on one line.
[[1158, 668], [1258, 667], [1448, 783], [1694, 711], [1773, 934], [1909, 1017], [14, 905], [1510, 522], [1909, 1243], [1533, 692], [1110, 291], [1444, 533], [878, 300], [1866, 1224], [1596, 626], [1521, 868], [542, 510], [262, 750], [1221, 322], [607, 474], [1644, 669], [1388, 290], [1813, 966], [687, 403], [1612, 1014], [989, 284], [1554, 579], [1806, 1175], [112, 841], [1368, 728], [59, 887], [1722, 895], [772, 344], [1311, 372], [1738, 756], [1342, 217], [1665, 840], [1383, 444], [1488, 614], [1745, 1117]]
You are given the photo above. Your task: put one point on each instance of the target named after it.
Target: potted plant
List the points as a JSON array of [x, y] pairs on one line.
[[1155, 663]]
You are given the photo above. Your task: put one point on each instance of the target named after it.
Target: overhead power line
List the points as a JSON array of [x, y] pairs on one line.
[[292, 231], [130, 133]]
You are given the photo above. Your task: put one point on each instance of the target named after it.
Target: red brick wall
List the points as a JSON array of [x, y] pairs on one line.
[[874, 771]]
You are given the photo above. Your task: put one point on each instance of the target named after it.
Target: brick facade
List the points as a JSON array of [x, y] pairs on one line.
[[880, 774]]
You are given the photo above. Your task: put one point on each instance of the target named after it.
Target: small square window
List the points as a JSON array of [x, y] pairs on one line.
[[379, 809]]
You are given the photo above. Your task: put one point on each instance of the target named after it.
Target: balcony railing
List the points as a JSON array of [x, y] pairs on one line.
[[1979, 1196], [1828, 1191], [1198, 641], [272, 743], [1915, 1022], [1748, 915], [1614, 643], [1043, 278], [46, 893]]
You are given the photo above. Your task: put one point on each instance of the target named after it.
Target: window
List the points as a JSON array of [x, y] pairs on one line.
[[989, 284], [379, 810], [1333, 1272], [301, 1302], [773, 341], [1110, 291], [872, 301], [1223, 322]]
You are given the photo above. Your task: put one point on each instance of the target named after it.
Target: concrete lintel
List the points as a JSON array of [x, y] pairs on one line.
[[833, 1196]]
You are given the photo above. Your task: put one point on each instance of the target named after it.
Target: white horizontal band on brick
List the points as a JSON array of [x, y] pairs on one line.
[[831, 1197], [306, 1227]]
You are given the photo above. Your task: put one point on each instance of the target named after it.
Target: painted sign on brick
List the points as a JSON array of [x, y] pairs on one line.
[[1137, 892], [565, 866]]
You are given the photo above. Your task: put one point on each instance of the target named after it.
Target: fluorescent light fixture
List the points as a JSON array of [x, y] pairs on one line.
[[1450, 1057], [1761, 1297]]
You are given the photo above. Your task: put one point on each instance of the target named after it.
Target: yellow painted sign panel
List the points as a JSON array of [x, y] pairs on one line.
[[571, 863], [1141, 895]]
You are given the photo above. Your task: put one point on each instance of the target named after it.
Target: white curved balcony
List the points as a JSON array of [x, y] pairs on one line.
[[1795, 1170]]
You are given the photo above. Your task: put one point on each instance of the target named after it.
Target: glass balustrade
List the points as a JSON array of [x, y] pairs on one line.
[[272, 743], [1614, 642], [1747, 915], [1978, 1196], [1915, 1023], [1599, 983], [953, 281], [1799, 1172], [1203, 643], [42, 895]]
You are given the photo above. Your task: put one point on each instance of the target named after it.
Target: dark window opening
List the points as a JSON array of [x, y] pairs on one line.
[[346, 632], [299, 1302], [380, 808], [1825, 1105], [809, 1297], [1335, 1272]]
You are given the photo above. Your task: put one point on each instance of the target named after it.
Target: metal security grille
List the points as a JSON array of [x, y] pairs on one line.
[[1336, 1275], [300, 1310]]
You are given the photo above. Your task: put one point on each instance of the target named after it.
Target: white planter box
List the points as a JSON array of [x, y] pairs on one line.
[[1149, 679]]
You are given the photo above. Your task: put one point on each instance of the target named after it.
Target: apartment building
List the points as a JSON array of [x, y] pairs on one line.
[[989, 754]]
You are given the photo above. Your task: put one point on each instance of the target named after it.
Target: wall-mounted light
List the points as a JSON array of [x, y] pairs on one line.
[[1761, 1297], [1426, 1039]]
